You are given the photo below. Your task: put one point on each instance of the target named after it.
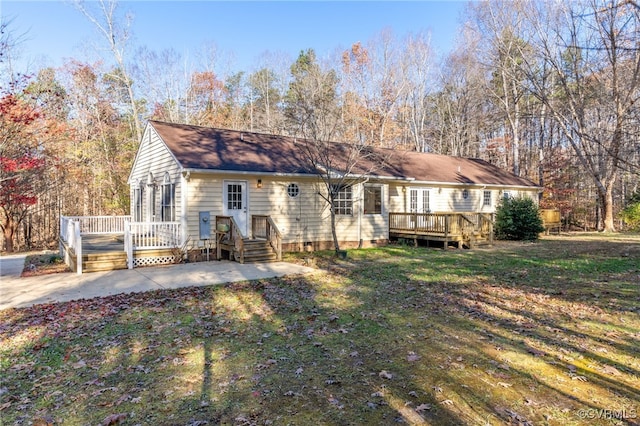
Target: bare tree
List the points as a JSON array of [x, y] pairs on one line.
[[501, 24], [417, 73], [591, 50], [165, 78], [460, 111], [373, 87], [116, 34], [314, 113]]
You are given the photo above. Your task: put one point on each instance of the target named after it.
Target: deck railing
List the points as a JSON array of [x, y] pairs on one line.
[[150, 235], [443, 225], [232, 236], [100, 224], [137, 235], [70, 234], [262, 226], [437, 223], [154, 235]]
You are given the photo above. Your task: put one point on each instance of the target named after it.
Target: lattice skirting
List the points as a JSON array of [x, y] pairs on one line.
[[151, 261]]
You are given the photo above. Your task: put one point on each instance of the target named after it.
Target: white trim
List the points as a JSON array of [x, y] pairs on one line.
[[413, 181], [244, 230], [382, 203], [184, 223], [280, 174]]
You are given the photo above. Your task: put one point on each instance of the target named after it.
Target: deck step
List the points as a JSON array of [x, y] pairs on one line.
[[108, 261], [258, 251]]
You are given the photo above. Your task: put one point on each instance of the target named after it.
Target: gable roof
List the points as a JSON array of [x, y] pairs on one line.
[[208, 149]]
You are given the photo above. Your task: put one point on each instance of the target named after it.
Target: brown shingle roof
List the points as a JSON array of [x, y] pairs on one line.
[[204, 148]]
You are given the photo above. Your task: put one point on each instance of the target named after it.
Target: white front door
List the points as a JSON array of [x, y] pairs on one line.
[[235, 203]]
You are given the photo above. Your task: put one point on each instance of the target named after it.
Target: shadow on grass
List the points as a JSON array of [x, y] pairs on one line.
[[399, 335]]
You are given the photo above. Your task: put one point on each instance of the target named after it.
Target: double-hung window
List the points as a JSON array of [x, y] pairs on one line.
[[486, 199], [168, 211]]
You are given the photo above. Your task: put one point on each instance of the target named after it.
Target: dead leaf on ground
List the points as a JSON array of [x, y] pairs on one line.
[[385, 374], [412, 357], [113, 419], [423, 407]]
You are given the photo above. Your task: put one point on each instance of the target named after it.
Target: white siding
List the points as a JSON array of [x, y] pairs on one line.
[[154, 158], [451, 199], [301, 219]]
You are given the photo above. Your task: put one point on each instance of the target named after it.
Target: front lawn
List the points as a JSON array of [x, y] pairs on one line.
[[522, 333]]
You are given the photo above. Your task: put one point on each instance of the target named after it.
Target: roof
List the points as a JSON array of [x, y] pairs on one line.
[[210, 149]]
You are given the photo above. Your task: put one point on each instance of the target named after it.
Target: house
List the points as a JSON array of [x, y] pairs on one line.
[[201, 177]]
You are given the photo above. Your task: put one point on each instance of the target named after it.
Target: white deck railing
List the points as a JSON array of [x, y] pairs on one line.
[[154, 235], [70, 233], [137, 235], [150, 235], [101, 224]]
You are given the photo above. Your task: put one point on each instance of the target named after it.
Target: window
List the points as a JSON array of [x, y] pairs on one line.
[[293, 190], [152, 201], [486, 199], [465, 193], [342, 199], [234, 196], [151, 198], [506, 195], [138, 193], [372, 199], [168, 211]]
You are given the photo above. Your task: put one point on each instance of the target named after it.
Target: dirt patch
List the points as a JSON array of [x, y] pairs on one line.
[[43, 264]]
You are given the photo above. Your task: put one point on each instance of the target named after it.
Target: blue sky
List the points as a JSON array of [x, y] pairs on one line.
[[54, 30]]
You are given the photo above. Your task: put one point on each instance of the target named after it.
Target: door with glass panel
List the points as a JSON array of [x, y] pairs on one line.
[[235, 203], [419, 202]]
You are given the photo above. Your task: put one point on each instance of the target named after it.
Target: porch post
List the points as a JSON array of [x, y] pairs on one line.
[[60, 243], [78, 238], [128, 244], [447, 221]]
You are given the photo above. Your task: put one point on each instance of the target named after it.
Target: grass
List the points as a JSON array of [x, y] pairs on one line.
[[522, 333]]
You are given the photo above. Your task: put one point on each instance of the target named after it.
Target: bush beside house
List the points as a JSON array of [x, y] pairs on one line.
[[518, 219]]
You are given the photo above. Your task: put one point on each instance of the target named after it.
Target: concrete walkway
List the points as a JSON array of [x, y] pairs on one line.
[[16, 292], [11, 266]]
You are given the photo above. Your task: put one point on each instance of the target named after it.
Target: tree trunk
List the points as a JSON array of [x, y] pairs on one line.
[[9, 232], [336, 243], [606, 198]]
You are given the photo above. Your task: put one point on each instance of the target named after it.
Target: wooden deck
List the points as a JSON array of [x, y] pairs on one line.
[[105, 252], [103, 243], [461, 229]]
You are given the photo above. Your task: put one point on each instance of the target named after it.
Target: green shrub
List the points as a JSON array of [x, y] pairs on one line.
[[631, 213], [518, 219]]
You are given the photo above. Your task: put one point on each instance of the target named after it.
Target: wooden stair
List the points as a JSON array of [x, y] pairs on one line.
[[257, 251], [105, 261], [475, 239]]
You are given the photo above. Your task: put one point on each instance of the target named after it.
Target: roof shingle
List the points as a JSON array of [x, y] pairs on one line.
[[204, 148]]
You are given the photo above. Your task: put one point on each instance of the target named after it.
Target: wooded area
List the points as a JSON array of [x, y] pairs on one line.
[[547, 90]]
